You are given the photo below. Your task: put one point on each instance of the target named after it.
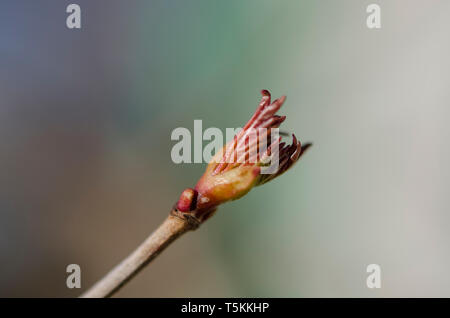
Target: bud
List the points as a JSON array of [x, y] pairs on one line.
[[238, 167], [187, 201]]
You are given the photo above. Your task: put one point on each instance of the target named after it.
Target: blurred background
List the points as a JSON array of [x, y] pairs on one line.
[[85, 123]]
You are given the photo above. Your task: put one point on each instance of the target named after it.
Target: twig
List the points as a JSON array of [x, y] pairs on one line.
[[173, 227]]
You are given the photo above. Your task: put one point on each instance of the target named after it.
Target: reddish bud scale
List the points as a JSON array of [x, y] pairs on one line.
[[187, 201]]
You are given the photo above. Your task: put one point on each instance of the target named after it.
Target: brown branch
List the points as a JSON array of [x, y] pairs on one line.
[[176, 224]]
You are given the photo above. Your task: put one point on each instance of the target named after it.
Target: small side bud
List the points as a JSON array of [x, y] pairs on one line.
[[187, 201]]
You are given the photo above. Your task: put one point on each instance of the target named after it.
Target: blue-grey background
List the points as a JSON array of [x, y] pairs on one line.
[[85, 123]]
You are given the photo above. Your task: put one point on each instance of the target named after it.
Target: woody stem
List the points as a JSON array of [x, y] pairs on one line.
[[172, 228]]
